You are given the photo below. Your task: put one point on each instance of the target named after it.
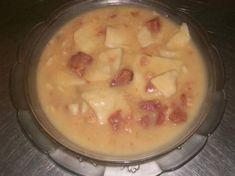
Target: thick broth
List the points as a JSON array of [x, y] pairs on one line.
[[94, 104]]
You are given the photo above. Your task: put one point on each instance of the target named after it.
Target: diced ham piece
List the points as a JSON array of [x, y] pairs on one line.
[[79, 63], [150, 105], [116, 120], [123, 78], [150, 88], [157, 107], [145, 121], [178, 115], [154, 25], [162, 112]]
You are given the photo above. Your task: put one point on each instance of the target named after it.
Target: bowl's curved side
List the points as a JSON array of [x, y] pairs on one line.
[[58, 147]]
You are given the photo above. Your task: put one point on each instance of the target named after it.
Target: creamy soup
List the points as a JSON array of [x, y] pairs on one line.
[[121, 81]]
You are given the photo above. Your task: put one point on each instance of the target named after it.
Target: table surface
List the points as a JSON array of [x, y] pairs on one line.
[[19, 157]]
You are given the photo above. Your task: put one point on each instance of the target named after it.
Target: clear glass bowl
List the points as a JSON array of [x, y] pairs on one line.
[[48, 139]]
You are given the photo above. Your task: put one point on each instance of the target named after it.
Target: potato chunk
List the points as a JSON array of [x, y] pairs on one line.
[[106, 65], [124, 77], [112, 57], [166, 83], [167, 54], [162, 64], [144, 37], [180, 39], [73, 109], [104, 102], [116, 37], [165, 64], [137, 86], [86, 40]]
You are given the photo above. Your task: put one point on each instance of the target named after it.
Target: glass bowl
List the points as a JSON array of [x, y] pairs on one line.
[[38, 128]]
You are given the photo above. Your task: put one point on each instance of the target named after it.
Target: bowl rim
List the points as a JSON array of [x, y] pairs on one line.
[[193, 25]]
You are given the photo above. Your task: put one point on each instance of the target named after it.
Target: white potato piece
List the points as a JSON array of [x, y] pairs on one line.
[[180, 39], [107, 64], [138, 83], [98, 72], [167, 54], [112, 58], [73, 109], [86, 40], [163, 64], [166, 83], [104, 102], [84, 107], [144, 37], [116, 37]]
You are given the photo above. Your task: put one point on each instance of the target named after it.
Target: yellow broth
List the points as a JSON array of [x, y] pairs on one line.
[[164, 51]]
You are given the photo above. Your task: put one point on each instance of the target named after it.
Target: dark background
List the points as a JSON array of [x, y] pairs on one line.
[[18, 157]]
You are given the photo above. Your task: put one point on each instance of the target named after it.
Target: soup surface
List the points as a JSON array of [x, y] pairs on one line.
[[121, 81]]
